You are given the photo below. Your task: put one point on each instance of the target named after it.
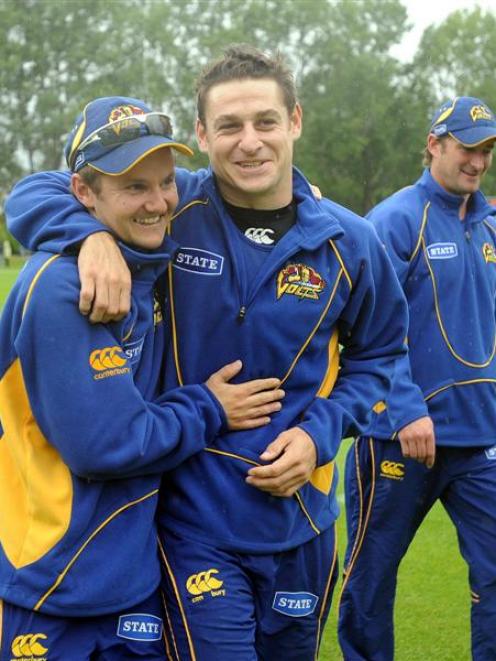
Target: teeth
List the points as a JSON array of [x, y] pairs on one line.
[[153, 220], [250, 164]]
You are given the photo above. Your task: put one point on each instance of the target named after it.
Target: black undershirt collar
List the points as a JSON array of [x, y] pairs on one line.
[[263, 226]]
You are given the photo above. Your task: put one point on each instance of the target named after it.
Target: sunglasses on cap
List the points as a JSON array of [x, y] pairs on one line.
[[126, 129]]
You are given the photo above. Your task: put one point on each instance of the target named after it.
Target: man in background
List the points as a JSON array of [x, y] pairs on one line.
[[440, 235]]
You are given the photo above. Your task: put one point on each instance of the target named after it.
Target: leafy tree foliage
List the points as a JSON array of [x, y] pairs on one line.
[[458, 58], [365, 113]]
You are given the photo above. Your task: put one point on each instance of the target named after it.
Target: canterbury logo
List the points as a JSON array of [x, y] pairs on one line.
[[260, 235], [393, 470], [28, 645], [108, 358], [204, 581]]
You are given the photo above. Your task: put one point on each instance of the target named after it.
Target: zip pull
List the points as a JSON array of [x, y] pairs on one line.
[[241, 313], [467, 235]]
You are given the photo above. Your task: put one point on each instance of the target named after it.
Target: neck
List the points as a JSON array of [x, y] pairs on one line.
[[465, 197], [265, 203], [267, 200]]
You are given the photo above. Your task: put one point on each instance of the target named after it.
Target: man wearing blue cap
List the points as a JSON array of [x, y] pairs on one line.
[[85, 434], [440, 234]]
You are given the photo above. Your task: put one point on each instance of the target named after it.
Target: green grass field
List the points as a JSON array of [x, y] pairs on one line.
[[7, 277], [433, 602]]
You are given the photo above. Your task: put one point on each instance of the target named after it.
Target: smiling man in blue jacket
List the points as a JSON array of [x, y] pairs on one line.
[[85, 433], [440, 234], [266, 273]]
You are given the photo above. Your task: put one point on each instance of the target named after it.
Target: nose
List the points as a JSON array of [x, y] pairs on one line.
[[479, 160], [249, 140], [157, 202]]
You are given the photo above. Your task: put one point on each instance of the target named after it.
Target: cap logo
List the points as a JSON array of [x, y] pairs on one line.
[[79, 160], [480, 112], [446, 112], [440, 130], [121, 112]]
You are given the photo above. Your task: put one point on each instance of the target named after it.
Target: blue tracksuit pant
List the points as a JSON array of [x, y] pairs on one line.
[[222, 605], [387, 498], [133, 634]]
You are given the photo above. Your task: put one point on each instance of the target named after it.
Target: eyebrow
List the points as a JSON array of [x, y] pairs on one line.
[[140, 180], [271, 112], [225, 118]]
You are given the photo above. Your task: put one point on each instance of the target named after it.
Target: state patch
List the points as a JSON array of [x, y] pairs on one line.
[[295, 604]]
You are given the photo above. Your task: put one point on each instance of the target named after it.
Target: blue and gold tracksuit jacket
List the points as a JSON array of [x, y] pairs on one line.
[[83, 439], [447, 268], [327, 282]]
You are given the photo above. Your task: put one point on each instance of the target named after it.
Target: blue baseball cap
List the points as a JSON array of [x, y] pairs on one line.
[[114, 133], [466, 119]]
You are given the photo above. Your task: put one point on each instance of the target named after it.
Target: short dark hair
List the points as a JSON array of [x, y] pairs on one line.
[[92, 178], [241, 61]]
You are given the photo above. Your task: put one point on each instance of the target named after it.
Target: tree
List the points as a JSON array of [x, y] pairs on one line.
[[458, 58], [358, 117], [365, 113], [56, 57]]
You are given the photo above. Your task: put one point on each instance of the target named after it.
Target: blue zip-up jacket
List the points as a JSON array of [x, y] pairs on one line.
[[447, 268], [83, 440], [327, 282]]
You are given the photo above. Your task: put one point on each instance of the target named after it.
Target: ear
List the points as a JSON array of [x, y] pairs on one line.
[[296, 120], [201, 136], [82, 191], [433, 145]]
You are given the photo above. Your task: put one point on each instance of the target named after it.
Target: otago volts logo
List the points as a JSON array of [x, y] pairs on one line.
[[299, 280], [480, 112], [121, 112], [28, 646], [489, 253], [109, 361], [157, 311]]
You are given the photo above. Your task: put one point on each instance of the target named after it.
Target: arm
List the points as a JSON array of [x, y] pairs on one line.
[[87, 405], [89, 408], [407, 409], [105, 278], [43, 214]]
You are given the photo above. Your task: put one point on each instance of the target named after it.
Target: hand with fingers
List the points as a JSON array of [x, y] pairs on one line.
[[247, 405], [418, 441], [105, 279], [293, 458]]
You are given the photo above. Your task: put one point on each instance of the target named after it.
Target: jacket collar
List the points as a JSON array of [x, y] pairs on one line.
[[315, 221], [478, 207], [153, 262]]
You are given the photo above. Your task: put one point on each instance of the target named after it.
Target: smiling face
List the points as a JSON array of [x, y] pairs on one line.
[[249, 137], [137, 205], [459, 169]]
